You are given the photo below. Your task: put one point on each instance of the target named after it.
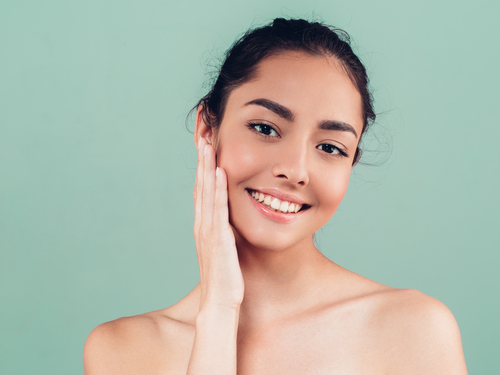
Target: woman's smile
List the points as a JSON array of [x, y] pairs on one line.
[[276, 209], [287, 142], [277, 200]]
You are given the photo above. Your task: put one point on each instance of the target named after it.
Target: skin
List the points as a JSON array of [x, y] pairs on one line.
[[268, 301]]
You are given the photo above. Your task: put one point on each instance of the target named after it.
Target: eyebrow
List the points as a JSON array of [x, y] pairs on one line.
[[337, 125], [280, 110], [286, 114]]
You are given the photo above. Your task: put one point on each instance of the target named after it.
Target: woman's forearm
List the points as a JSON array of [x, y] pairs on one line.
[[214, 348]]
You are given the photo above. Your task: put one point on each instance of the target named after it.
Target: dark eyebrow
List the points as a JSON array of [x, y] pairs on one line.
[[285, 113], [280, 110], [337, 125]]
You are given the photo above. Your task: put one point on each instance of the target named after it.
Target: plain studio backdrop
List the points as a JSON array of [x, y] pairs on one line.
[[97, 167]]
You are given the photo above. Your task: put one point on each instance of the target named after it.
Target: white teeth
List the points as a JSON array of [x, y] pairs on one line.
[[275, 203], [284, 206]]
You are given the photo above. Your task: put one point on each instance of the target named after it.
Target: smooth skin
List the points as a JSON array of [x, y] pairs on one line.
[[268, 301]]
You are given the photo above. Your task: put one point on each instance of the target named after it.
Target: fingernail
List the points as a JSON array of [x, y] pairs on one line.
[[217, 172]]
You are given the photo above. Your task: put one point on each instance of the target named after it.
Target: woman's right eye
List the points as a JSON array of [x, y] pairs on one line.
[[265, 130]]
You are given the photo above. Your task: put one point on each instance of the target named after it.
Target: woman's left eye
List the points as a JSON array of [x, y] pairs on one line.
[[331, 149], [266, 130]]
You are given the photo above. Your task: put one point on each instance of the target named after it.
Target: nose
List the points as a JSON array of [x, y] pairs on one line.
[[291, 164]]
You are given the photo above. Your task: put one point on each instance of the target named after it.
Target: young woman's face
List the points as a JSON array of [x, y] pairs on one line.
[[290, 134]]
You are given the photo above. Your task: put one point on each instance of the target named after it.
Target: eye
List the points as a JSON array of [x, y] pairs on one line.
[[264, 129], [331, 149]]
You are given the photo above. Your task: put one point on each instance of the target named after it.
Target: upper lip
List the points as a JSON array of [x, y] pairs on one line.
[[281, 196]]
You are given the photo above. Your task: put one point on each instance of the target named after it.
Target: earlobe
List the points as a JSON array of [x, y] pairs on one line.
[[201, 128]]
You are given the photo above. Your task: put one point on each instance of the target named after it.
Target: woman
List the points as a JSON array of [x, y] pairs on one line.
[[277, 137]]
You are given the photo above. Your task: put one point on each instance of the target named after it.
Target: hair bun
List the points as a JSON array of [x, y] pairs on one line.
[[294, 24], [280, 22]]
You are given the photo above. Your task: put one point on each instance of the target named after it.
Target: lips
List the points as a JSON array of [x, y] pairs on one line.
[[276, 204]]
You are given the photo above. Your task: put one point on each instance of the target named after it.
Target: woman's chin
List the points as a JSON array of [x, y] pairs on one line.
[[268, 241]]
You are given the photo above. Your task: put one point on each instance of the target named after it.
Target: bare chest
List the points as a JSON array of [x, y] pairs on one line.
[[326, 343], [309, 347]]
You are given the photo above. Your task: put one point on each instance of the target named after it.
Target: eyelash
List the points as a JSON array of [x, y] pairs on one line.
[[254, 126], [340, 152]]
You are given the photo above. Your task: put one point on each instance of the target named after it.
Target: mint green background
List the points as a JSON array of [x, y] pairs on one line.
[[97, 168]]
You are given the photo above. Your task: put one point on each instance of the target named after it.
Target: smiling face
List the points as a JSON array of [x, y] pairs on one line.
[[288, 136]]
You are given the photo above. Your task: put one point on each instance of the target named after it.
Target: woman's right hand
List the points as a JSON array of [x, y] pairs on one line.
[[220, 273]]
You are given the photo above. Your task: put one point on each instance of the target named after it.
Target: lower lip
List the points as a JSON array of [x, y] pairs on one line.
[[274, 215]]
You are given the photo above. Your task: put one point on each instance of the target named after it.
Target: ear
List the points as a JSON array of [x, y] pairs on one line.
[[201, 129]]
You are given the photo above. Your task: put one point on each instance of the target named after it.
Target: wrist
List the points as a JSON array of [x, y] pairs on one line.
[[214, 310], [216, 314], [220, 301]]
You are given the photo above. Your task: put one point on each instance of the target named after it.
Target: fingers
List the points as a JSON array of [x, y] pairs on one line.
[[204, 191], [198, 187], [221, 217], [208, 192]]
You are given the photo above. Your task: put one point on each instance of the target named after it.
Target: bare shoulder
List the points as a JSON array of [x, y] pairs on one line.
[[404, 310], [406, 331], [420, 333], [407, 309], [148, 343]]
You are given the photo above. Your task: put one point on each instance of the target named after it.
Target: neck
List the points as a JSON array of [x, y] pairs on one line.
[[281, 282]]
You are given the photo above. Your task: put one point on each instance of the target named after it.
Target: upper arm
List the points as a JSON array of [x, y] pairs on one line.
[[142, 344], [124, 346], [425, 338], [99, 350]]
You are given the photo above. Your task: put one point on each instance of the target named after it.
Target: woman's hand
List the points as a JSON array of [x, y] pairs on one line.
[[220, 274]]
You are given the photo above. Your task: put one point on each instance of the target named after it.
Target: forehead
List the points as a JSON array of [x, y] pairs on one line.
[[312, 87]]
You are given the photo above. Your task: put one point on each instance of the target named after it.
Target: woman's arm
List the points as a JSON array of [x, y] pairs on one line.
[[222, 287]]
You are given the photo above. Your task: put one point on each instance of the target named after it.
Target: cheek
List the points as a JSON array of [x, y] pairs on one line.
[[234, 159], [240, 160], [330, 190]]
